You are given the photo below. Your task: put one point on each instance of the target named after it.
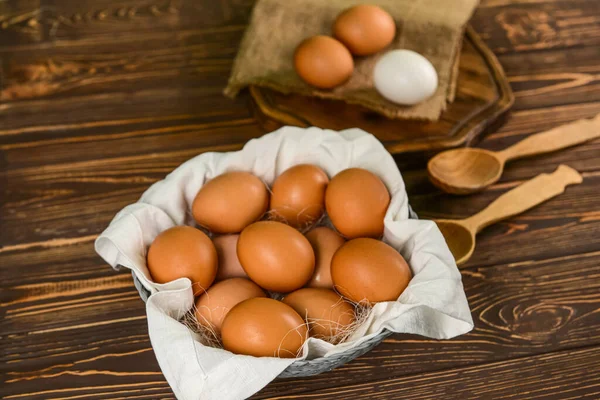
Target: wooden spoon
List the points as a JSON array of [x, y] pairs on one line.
[[460, 234], [469, 170]]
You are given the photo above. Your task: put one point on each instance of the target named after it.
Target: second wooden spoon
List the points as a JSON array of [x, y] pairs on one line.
[[469, 170], [460, 234]]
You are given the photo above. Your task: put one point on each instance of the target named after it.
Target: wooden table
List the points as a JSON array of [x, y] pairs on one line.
[[99, 99]]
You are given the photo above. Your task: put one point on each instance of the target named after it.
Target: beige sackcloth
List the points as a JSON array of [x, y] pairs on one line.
[[433, 28]]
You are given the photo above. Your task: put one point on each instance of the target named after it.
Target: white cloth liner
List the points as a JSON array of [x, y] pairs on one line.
[[433, 305]]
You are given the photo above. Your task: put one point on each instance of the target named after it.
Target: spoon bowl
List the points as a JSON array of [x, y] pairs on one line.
[[465, 170], [469, 170], [460, 240]]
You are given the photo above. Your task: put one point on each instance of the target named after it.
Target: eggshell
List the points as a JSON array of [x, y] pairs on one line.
[[325, 242], [405, 77], [365, 29], [230, 202], [298, 195], [276, 256], [264, 327], [183, 251], [215, 303], [369, 270], [229, 263], [323, 62], [327, 314], [356, 201]]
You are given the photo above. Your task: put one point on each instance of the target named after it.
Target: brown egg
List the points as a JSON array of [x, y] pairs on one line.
[[327, 314], [365, 29], [325, 242], [356, 202], [276, 256], [230, 202], [183, 251], [215, 303], [369, 270], [323, 62], [264, 327], [298, 195], [229, 263]]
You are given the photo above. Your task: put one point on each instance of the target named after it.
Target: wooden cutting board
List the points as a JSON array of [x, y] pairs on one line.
[[483, 95]]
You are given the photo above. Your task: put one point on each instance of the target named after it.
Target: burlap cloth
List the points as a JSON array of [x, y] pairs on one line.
[[433, 28]]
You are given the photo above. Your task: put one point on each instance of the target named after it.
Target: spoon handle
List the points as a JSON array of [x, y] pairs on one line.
[[525, 196], [555, 139]]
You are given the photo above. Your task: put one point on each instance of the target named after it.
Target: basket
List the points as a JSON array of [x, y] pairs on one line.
[[302, 368]]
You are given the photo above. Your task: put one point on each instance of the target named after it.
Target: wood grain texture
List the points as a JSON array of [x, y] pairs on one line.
[[41, 21], [547, 78], [522, 313], [538, 25], [194, 57], [565, 375], [529, 308], [100, 99]]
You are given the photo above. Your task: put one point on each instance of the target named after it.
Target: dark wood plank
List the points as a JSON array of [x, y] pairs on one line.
[[128, 142], [538, 25], [49, 119], [63, 21], [105, 123], [55, 306], [57, 262], [554, 77], [84, 337], [519, 25], [96, 326], [17, 24], [200, 59], [523, 123], [565, 375]]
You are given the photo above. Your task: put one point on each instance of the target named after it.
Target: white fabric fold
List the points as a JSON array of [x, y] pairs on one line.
[[433, 305]]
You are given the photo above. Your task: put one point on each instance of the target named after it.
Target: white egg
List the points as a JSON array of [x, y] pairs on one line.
[[405, 77]]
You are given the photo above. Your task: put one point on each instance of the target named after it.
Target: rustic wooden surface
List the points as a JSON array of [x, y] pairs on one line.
[[98, 99], [483, 97]]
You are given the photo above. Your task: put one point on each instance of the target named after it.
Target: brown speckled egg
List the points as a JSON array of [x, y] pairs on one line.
[[183, 251], [230, 202], [323, 62], [215, 303], [327, 314], [264, 327], [356, 202], [369, 270], [298, 195], [229, 263], [276, 256], [325, 242], [365, 29]]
